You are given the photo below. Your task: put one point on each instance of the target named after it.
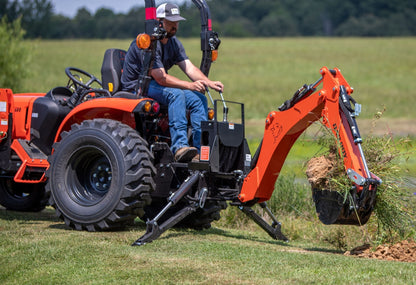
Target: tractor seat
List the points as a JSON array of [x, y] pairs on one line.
[[111, 71]]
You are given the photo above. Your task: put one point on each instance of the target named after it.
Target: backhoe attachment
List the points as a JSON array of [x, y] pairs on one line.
[[334, 106]]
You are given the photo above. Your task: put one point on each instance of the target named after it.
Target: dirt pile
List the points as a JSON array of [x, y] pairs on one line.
[[318, 170], [402, 251]]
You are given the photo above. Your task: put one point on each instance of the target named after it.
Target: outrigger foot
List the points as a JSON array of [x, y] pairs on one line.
[[274, 230], [153, 230]]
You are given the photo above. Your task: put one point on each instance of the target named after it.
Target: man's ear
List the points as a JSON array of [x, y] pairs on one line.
[[162, 29]]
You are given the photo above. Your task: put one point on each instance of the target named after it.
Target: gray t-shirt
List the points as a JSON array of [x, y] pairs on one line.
[[166, 56]]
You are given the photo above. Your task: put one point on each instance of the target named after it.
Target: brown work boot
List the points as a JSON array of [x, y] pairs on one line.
[[195, 158], [185, 154]]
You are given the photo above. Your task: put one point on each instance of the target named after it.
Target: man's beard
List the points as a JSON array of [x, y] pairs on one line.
[[171, 33]]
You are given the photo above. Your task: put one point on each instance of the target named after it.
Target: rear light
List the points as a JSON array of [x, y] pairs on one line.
[[155, 107], [147, 106], [214, 55], [211, 114], [143, 41], [150, 107]]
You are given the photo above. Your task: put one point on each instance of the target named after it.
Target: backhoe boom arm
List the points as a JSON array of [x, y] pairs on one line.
[[283, 128]]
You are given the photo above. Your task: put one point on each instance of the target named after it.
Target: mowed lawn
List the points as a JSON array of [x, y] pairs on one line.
[[39, 249], [262, 73]]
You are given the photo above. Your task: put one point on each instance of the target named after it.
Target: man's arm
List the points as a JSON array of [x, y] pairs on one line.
[[164, 79], [195, 74]]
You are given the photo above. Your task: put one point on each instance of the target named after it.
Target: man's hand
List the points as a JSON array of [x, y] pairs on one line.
[[198, 85], [216, 85], [198, 77], [201, 85]]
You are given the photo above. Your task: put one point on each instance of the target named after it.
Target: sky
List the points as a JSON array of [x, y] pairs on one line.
[[69, 8]]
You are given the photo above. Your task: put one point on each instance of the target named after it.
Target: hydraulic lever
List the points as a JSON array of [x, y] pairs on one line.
[[225, 108]]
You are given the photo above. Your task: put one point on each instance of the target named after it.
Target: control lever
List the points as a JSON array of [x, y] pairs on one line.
[[225, 108]]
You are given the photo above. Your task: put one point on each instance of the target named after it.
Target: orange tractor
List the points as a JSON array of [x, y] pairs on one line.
[[101, 156]]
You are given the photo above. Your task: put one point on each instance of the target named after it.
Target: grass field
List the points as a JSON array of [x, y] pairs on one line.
[[38, 249], [262, 73], [381, 69]]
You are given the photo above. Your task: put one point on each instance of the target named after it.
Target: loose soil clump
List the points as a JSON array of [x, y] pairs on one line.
[[403, 251], [320, 170]]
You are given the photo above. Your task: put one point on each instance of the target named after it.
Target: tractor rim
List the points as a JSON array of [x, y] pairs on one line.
[[89, 175]]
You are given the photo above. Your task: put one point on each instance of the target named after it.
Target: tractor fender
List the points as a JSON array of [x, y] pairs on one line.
[[118, 109]]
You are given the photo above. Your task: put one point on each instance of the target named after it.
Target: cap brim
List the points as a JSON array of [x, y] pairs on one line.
[[175, 18]]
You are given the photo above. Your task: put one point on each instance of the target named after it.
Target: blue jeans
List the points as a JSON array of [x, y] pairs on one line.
[[178, 101]]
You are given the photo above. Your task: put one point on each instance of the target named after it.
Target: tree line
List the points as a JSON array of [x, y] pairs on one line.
[[231, 18]]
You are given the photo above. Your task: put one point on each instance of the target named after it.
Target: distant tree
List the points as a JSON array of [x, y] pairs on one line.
[[104, 23], [9, 9], [3, 7], [232, 18], [130, 24], [36, 17], [279, 25], [14, 55], [61, 27], [237, 27], [83, 24]]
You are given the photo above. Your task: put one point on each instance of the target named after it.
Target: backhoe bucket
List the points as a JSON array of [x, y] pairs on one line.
[[333, 207]]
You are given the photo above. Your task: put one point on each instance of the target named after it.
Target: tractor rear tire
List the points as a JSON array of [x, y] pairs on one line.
[[203, 217], [101, 175], [23, 197]]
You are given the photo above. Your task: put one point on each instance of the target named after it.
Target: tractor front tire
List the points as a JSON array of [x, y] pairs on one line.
[[23, 197], [101, 175]]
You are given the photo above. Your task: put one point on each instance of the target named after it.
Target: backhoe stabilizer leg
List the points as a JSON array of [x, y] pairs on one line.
[[274, 230], [153, 230]]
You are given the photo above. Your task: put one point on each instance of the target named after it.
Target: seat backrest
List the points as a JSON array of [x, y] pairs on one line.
[[112, 69]]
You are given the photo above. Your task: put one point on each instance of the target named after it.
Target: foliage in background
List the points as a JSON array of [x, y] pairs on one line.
[[289, 198], [231, 18], [293, 198], [395, 210], [14, 56]]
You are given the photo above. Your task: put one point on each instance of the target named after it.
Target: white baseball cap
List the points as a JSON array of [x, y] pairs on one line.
[[169, 12]]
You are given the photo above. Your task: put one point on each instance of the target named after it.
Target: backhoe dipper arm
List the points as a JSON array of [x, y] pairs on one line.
[[283, 128]]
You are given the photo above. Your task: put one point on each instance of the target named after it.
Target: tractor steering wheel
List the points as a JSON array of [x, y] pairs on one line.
[[77, 80]]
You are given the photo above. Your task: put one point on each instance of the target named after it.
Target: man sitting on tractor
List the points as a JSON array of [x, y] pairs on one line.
[[178, 94]]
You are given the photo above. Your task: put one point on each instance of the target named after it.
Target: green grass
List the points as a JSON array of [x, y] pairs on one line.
[[38, 249], [270, 69]]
